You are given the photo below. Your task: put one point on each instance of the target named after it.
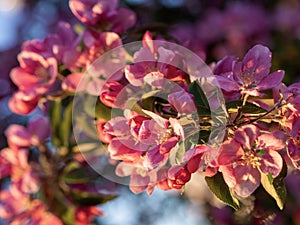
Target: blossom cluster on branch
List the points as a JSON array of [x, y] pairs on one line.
[[155, 115]]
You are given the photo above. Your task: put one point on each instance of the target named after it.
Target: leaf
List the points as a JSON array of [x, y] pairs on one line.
[[89, 199], [55, 120], [66, 125], [218, 186], [95, 108], [248, 108], [276, 188], [200, 97], [74, 174]]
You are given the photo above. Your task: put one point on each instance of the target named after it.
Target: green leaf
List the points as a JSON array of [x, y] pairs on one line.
[[74, 174], [276, 188], [89, 199], [248, 108], [95, 108], [66, 125], [200, 99], [55, 119], [218, 186]]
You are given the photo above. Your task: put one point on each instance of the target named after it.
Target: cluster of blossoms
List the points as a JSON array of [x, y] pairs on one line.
[[164, 125]]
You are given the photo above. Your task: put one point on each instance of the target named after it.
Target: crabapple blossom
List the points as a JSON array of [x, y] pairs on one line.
[[248, 154], [37, 130], [249, 76], [103, 14]]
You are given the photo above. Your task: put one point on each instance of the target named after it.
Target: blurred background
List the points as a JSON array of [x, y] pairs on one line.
[[213, 29]]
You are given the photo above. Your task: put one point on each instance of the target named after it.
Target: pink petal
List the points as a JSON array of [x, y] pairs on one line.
[[138, 183], [243, 179], [148, 42], [246, 135], [72, 82], [167, 146], [270, 81], [124, 20], [257, 61], [117, 126], [227, 84], [126, 149], [124, 169], [272, 141], [39, 127], [271, 163], [18, 136], [20, 104], [229, 153], [154, 158]]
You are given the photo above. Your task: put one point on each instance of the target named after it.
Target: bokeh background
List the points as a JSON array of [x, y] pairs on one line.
[[213, 29]]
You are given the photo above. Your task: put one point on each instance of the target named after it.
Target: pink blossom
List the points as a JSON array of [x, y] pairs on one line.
[[54, 45], [242, 158], [201, 159], [22, 174], [18, 208], [113, 95], [38, 129], [293, 151], [182, 102], [103, 14], [154, 64], [84, 215], [250, 76], [23, 103], [35, 74], [178, 176]]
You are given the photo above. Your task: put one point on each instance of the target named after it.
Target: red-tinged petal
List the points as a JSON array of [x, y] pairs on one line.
[[293, 150], [138, 183], [19, 103], [149, 132], [228, 175], [135, 73], [272, 141], [271, 163], [72, 82], [124, 169], [257, 61], [178, 176], [248, 180], [39, 128], [154, 158], [168, 145], [148, 42], [246, 135], [270, 81], [162, 179], [165, 55], [117, 126], [124, 20], [18, 136], [110, 40], [23, 79], [144, 55], [29, 182], [182, 102], [126, 149], [227, 85], [229, 153], [225, 65]]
